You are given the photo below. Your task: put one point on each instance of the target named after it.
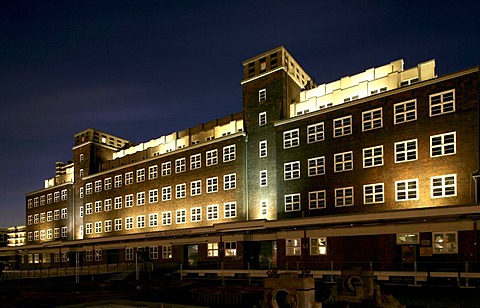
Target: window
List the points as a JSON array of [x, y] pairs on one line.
[[315, 133], [64, 213], [81, 173], [30, 236], [373, 157], [443, 144], [153, 196], [129, 200], [291, 139], [56, 213], [88, 191], [81, 192], [180, 165], [98, 206], [49, 235], [445, 242], [263, 207], [36, 235], [372, 119], [212, 250], [229, 181], [81, 157], [230, 210], [141, 221], [166, 168], [166, 193], [108, 183], [408, 238], [64, 195], [342, 126], [293, 247], [118, 224], [98, 255], [405, 112], [88, 208], [29, 203], [291, 170], [49, 199], [316, 166], [195, 161], [129, 253], [141, 198], [166, 218], [64, 232], [153, 220], [212, 157], [212, 185], [262, 95], [152, 172], [196, 188], [118, 181], [230, 249], [140, 175], [166, 251], [405, 151], [30, 219], [196, 214], [316, 200], [263, 178], [56, 232], [262, 118], [42, 217], [441, 103], [89, 255], [118, 203], [212, 212], [35, 201], [153, 252], [444, 186], [344, 196], [180, 191], [98, 186], [373, 193], [292, 202], [229, 153], [42, 200], [181, 216], [406, 190], [343, 161], [262, 148], [318, 246], [98, 227], [129, 178], [88, 228]]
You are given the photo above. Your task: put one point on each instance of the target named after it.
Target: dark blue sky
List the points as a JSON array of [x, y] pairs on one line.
[[143, 69]]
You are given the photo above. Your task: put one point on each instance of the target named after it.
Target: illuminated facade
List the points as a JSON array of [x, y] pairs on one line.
[[307, 174]]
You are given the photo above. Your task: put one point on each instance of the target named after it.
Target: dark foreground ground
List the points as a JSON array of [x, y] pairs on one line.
[[104, 289]]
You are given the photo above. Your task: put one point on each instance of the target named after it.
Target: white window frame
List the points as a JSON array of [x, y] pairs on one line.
[[406, 190], [372, 119], [153, 172], [317, 199], [153, 196], [262, 148], [229, 153], [342, 126], [107, 183], [196, 188], [373, 156], [181, 216], [406, 151], [180, 191], [442, 186], [373, 193], [263, 178], [153, 220], [98, 186], [212, 185], [180, 165], [195, 161], [140, 175], [293, 247], [230, 209], [166, 193], [292, 202], [445, 242], [343, 161], [118, 224], [88, 191], [196, 214], [229, 181], [166, 218], [212, 212], [316, 166], [118, 181], [140, 198], [129, 178], [107, 205], [211, 157], [118, 203], [316, 132], [443, 144], [344, 196], [262, 118], [291, 170], [442, 103], [262, 95], [141, 222], [291, 138], [405, 112], [166, 168], [129, 200]]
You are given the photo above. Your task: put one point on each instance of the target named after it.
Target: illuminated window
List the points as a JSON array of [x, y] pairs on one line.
[[262, 148], [263, 207], [382, 89], [406, 190], [316, 166], [107, 183], [262, 118], [166, 193], [88, 228], [262, 95], [118, 203], [98, 227], [444, 186], [56, 213], [343, 196], [118, 224], [315, 133], [153, 252], [141, 198], [229, 181], [441, 103], [291, 138], [263, 178], [118, 181], [166, 251], [108, 205], [229, 153], [293, 247], [195, 161], [372, 119], [195, 188], [181, 216], [343, 161], [129, 200], [349, 99], [230, 210], [153, 220], [141, 221], [180, 165], [211, 157], [42, 235], [443, 144], [98, 255], [196, 214], [88, 208], [316, 200], [153, 196], [212, 212], [445, 242], [166, 218], [292, 202], [342, 126], [140, 175], [50, 198], [98, 186], [180, 191], [212, 249], [129, 253], [408, 82], [166, 168], [318, 246], [42, 217], [405, 111], [230, 249], [152, 172], [405, 151], [408, 238], [88, 189], [98, 206], [212, 185], [129, 178], [373, 193], [373, 157], [64, 213], [291, 170]]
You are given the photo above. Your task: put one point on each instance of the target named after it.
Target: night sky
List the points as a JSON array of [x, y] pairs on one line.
[[143, 69]]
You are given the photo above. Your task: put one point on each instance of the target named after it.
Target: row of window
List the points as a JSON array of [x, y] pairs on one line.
[[405, 190], [47, 234], [47, 199], [47, 216]]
